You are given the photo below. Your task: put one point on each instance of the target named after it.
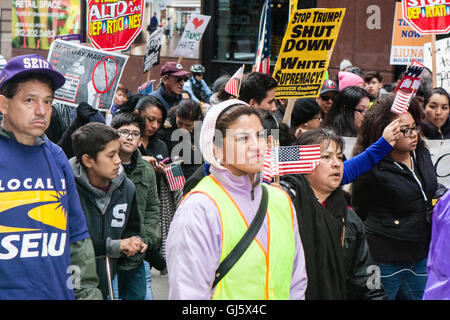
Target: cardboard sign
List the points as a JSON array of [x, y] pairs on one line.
[[407, 43], [442, 62], [153, 49], [114, 24], [439, 151], [36, 23], [306, 51], [91, 75], [190, 40]]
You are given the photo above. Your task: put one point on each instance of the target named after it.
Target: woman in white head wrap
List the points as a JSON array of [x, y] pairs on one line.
[[233, 141]]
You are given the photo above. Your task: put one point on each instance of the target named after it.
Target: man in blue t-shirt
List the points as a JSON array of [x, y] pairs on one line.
[[45, 249]]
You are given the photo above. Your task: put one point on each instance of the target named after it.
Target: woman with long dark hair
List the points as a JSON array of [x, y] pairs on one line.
[[347, 112], [436, 124], [394, 200]]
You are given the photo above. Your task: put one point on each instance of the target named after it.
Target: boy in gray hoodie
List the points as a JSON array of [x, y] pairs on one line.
[[107, 196]]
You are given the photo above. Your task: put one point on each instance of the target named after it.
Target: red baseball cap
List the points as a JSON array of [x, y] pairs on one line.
[[173, 69]]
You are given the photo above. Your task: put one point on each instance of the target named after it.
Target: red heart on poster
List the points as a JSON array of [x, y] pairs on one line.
[[197, 23]]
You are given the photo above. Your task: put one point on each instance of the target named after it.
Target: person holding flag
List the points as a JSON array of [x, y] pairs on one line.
[[226, 206], [394, 199], [336, 251]]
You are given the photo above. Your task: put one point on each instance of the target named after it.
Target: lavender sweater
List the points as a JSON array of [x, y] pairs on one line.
[[194, 242]]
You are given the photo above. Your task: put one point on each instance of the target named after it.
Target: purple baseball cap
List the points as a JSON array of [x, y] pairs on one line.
[[29, 64], [173, 69]]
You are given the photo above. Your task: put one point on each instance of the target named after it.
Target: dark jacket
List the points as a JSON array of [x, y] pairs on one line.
[[141, 173], [168, 100], [334, 272], [394, 207], [431, 132], [110, 217], [183, 141]]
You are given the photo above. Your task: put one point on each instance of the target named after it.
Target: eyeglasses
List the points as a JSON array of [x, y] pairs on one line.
[[409, 131], [363, 112], [326, 98], [126, 134], [180, 79]]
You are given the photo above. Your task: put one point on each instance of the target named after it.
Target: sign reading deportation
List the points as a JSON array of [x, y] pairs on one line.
[[114, 24], [306, 51], [36, 23], [91, 75], [407, 43]]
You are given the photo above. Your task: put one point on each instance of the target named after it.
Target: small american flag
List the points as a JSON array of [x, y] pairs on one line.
[[401, 102], [262, 58], [175, 176], [234, 83], [297, 159], [268, 169]]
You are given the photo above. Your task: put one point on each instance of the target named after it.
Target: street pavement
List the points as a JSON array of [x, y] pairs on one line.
[[160, 285]]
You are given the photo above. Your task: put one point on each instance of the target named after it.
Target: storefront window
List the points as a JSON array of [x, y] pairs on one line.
[[237, 27]]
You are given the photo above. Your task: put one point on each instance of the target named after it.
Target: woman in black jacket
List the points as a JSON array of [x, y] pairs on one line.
[[394, 199], [338, 262]]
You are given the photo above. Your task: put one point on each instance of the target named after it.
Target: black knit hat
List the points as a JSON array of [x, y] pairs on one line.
[[304, 110]]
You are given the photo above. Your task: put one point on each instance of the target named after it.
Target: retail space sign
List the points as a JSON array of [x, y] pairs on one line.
[[442, 62], [193, 33], [114, 24], [92, 75], [36, 23], [153, 49], [306, 51], [407, 43], [428, 16]]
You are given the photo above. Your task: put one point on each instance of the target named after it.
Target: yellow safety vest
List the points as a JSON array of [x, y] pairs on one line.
[[258, 274]]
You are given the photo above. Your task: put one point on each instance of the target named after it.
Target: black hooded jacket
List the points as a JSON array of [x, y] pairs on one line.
[[335, 272]]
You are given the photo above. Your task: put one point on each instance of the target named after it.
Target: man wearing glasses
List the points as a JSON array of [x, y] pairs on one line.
[[172, 80], [327, 94]]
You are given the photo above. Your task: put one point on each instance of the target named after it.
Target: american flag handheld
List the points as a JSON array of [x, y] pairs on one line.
[[175, 177]]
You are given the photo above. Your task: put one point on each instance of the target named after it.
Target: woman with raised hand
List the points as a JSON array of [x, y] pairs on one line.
[[215, 215], [394, 200]]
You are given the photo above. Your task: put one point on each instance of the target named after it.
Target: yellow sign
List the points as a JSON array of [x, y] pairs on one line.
[[306, 51], [407, 43]]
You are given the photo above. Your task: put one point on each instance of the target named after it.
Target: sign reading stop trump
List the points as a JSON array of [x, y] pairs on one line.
[[427, 16], [114, 24]]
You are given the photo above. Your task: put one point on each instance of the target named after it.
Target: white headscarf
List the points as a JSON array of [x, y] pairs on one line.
[[208, 130]]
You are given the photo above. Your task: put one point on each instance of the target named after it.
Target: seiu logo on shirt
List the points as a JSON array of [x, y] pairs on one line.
[[33, 223]]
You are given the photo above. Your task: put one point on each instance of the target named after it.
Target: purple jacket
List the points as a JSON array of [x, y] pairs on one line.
[[194, 242], [438, 264]]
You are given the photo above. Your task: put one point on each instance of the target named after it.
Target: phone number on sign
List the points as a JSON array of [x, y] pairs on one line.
[[35, 33]]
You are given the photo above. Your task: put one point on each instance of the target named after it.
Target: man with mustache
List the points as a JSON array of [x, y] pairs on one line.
[[45, 249]]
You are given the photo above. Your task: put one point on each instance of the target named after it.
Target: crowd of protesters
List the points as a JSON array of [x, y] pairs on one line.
[[76, 191]]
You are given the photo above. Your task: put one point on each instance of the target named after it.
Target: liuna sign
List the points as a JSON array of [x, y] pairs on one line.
[[427, 16]]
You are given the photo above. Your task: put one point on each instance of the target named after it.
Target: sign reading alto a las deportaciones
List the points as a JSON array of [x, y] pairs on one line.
[[114, 24], [306, 51]]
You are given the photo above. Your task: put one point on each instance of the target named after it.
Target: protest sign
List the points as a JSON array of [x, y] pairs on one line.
[[36, 23], [190, 40], [427, 16], [153, 50], [306, 51], [442, 62], [114, 24], [439, 151], [407, 43], [91, 75]]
